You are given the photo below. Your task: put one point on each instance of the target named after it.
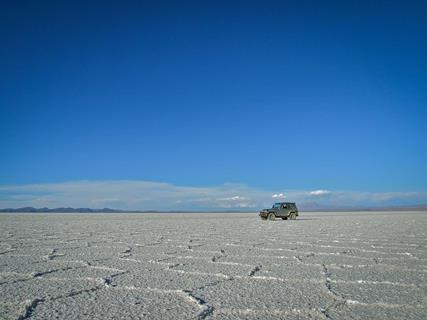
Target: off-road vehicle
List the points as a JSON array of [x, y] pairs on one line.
[[284, 210]]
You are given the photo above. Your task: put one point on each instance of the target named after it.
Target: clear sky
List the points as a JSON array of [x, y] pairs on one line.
[[269, 95]]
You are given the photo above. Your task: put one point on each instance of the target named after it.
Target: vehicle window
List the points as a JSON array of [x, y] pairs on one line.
[[284, 206]]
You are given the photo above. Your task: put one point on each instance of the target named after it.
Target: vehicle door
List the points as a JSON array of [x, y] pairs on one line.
[[284, 210]]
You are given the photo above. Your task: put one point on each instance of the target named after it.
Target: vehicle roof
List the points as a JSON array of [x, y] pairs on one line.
[[286, 202]]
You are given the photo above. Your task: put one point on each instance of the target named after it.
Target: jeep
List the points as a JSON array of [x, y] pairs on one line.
[[284, 210]]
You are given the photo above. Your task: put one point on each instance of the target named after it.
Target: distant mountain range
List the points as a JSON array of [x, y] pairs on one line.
[[303, 207], [65, 210], [103, 210]]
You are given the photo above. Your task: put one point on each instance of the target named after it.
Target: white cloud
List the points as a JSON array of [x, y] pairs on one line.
[[235, 201], [279, 196], [235, 198], [319, 192]]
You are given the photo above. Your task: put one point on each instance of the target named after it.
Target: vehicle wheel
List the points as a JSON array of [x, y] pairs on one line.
[[271, 217], [293, 216]]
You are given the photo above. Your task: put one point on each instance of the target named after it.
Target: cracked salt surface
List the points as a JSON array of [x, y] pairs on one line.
[[213, 266]]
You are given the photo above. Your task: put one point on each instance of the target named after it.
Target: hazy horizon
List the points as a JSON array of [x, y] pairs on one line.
[[147, 195]]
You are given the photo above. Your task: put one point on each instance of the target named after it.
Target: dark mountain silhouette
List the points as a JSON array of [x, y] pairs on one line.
[[60, 210]]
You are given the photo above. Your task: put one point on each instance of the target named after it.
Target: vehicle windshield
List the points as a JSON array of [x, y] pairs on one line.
[[276, 205]]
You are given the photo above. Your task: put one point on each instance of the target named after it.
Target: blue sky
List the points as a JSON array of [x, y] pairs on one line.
[[274, 97]]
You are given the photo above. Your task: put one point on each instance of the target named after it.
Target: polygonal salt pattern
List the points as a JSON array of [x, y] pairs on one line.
[[364, 265], [380, 293], [119, 303], [360, 311]]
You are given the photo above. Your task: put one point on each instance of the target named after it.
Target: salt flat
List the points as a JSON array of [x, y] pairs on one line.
[[353, 265]]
